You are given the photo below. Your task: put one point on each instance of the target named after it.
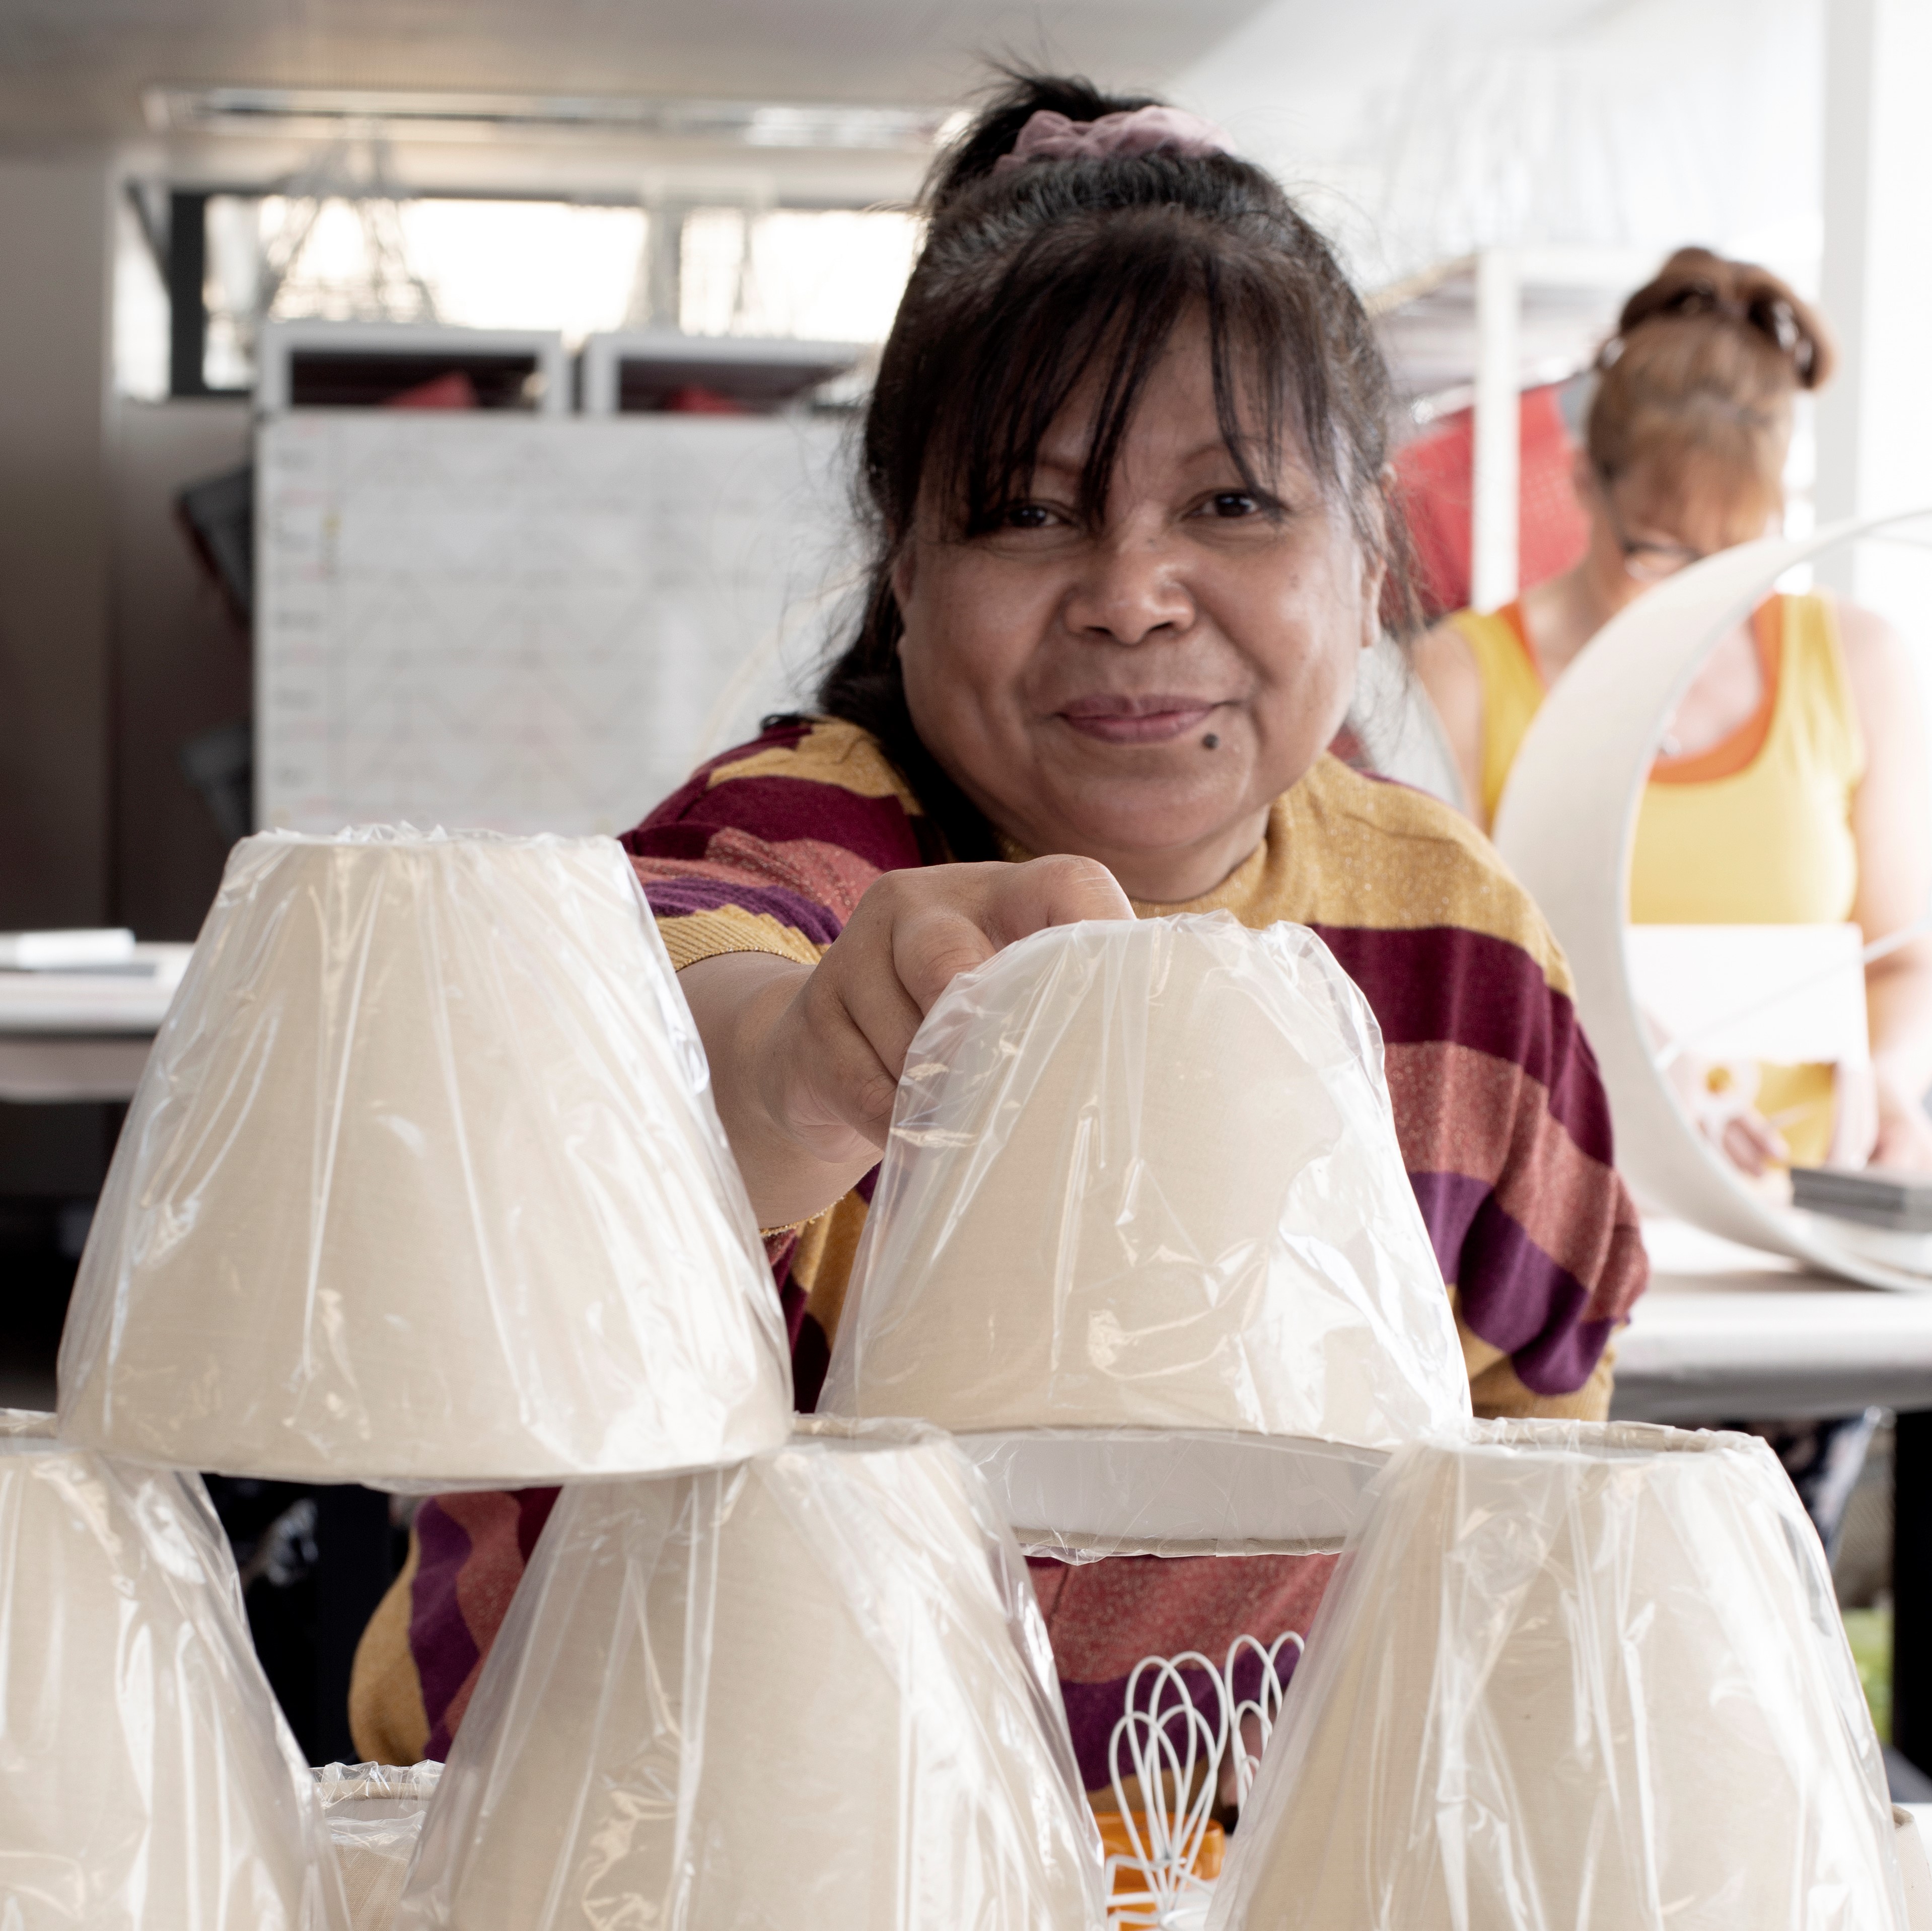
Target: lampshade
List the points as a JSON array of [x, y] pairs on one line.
[[424, 1185], [374, 1814], [1572, 1677], [810, 1693], [147, 1779], [1143, 1175]]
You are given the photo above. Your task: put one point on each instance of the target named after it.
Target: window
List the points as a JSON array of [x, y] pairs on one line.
[[831, 275], [470, 264]]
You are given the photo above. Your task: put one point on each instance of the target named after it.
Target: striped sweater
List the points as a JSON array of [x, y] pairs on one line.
[[1501, 1117]]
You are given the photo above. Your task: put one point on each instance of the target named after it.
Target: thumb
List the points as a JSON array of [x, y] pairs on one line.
[[1060, 890]]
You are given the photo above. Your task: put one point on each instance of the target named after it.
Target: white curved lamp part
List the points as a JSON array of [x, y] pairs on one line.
[[1568, 826], [147, 1779], [812, 1693], [424, 1186], [1142, 1238]]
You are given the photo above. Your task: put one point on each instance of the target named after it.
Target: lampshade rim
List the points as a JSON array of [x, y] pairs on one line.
[[407, 837], [1597, 1443], [389, 1481]]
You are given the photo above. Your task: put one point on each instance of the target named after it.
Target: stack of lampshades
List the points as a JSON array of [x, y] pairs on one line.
[[424, 1187]]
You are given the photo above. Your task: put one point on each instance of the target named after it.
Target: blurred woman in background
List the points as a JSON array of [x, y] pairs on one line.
[[1792, 788]]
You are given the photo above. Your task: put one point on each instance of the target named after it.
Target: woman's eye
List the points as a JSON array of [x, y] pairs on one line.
[[1026, 516], [1230, 503]]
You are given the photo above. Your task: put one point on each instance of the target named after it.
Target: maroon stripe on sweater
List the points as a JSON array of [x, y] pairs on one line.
[[533, 1508], [778, 809], [1446, 983]]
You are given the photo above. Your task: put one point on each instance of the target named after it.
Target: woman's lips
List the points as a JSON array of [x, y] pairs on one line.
[[1151, 720]]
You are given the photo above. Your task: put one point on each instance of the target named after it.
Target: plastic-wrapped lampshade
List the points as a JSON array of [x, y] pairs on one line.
[[147, 1779], [810, 1693], [1573, 1678], [374, 1815], [1143, 1175], [423, 1184]]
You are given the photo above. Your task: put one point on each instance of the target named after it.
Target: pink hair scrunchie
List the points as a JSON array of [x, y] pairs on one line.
[[1048, 136]]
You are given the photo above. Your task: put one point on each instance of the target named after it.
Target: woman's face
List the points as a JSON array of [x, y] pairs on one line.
[[1647, 526], [1139, 691]]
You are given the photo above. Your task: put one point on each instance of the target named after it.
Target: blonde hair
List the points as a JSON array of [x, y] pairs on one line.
[[1704, 364]]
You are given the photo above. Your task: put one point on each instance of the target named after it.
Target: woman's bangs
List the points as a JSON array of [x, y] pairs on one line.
[[1093, 321]]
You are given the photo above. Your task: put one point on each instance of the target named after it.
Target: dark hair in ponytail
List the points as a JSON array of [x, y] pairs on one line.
[[1036, 278]]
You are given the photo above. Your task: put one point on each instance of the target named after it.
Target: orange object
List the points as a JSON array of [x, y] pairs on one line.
[[1434, 480], [1118, 1844], [453, 391]]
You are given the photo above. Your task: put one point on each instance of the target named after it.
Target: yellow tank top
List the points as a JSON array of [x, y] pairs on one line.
[[1756, 831]]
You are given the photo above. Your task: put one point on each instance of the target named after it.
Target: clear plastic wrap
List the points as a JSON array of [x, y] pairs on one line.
[[810, 1693], [374, 1813], [1572, 1677], [148, 1782], [423, 1187], [1143, 1176]]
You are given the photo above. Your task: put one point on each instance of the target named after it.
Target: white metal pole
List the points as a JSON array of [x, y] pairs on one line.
[[1495, 492], [1850, 44]]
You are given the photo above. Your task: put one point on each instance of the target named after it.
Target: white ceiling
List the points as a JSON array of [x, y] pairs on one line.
[[76, 68]]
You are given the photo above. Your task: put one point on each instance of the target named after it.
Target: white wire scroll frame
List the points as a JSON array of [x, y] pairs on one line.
[[1164, 1760], [1566, 827]]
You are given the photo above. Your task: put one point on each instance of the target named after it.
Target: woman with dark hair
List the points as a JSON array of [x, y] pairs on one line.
[[1124, 464]]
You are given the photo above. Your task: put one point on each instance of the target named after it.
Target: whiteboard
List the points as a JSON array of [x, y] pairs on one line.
[[531, 624]]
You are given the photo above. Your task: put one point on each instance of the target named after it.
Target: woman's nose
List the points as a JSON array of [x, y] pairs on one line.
[[1128, 588]]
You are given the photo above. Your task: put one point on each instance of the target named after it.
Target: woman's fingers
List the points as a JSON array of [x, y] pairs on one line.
[[834, 1061], [839, 1085], [978, 909], [1023, 899], [1752, 1143], [931, 946]]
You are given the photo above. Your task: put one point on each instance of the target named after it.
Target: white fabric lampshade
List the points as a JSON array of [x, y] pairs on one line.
[[1144, 1175], [374, 1813], [810, 1693], [1572, 1677], [147, 1779], [424, 1185]]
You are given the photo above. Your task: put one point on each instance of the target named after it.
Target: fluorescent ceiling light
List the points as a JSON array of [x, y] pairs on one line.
[[328, 110]]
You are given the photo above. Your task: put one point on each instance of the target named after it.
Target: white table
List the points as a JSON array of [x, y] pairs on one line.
[[76, 1035], [1725, 1330]]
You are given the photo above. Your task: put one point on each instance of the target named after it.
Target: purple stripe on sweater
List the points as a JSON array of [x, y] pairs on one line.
[[1449, 1203], [439, 1639], [1446, 983], [1514, 1295], [678, 897]]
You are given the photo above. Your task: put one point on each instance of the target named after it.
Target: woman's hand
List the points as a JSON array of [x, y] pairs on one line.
[[1719, 1099], [1904, 1131], [805, 1060]]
